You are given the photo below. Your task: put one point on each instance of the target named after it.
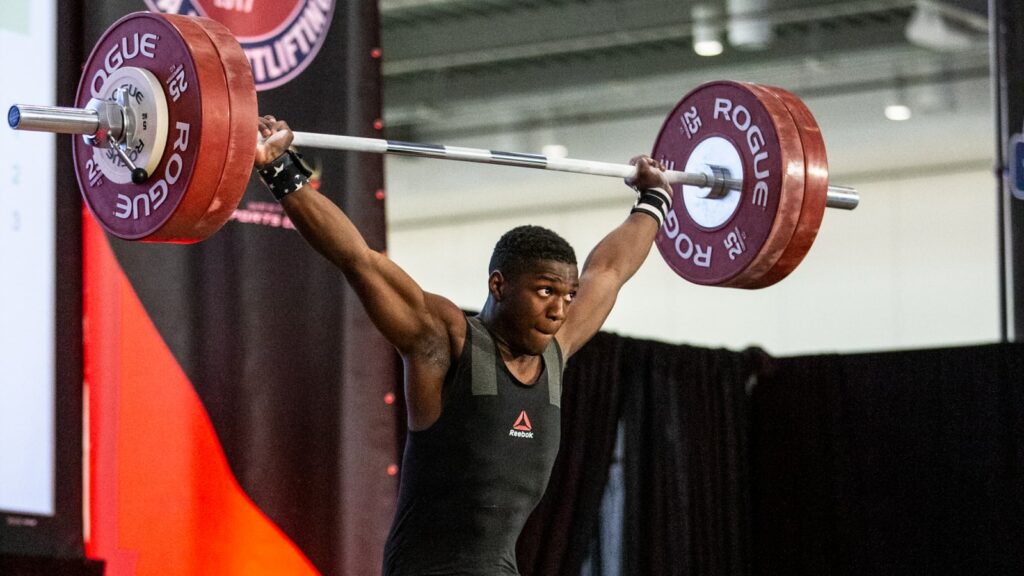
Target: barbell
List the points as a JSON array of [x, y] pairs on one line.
[[166, 107]]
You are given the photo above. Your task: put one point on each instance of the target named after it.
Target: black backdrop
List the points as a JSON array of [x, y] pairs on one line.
[[738, 463], [891, 463]]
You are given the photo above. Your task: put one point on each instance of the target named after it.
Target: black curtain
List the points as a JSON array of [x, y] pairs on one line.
[[685, 461], [890, 463]]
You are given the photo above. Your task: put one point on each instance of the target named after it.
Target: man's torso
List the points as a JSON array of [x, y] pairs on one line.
[[472, 478]]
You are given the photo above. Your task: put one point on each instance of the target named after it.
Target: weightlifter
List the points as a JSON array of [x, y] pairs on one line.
[[483, 392]]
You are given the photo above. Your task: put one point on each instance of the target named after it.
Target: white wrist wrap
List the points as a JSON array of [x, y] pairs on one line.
[[655, 202]]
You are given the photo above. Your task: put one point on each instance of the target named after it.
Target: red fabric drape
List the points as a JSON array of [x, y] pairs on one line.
[[162, 499]]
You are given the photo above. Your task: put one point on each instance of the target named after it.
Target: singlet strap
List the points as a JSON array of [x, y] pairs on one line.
[[485, 359], [553, 368]]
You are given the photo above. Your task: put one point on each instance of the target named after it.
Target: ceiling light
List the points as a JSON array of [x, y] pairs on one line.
[[928, 28], [554, 151], [898, 112], [707, 47], [707, 39], [897, 109], [748, 27]]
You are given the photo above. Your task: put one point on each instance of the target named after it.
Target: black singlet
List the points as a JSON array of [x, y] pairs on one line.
[[470, 481]]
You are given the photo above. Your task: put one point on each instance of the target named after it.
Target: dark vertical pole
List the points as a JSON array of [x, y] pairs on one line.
[[367, 476], [68, 292], [1007, 37]]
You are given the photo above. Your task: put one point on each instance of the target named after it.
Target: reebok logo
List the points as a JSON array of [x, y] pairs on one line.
[[522, 427]]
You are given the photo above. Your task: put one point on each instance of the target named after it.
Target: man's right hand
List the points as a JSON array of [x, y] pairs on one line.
[[649, 174], [275, 138]]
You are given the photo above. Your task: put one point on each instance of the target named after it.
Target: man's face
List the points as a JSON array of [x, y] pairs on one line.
[[535, 302]]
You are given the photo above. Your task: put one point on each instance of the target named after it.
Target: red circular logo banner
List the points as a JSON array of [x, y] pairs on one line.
[[280, 39], [247, 22]]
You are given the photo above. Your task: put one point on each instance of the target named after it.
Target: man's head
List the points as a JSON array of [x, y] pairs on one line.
[[533, 281], [519, 248]]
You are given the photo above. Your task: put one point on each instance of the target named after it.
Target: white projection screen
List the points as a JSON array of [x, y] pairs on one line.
[[27, 265]]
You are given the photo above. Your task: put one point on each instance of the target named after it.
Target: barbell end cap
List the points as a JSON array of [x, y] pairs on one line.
[[843, 197], [14, 116], [139, 175]]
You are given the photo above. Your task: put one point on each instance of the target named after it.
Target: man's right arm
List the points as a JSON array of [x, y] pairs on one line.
[[415, 322], [405, 314]]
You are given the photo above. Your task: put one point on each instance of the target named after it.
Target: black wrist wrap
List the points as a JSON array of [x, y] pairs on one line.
[[654, 202], [286, 174]]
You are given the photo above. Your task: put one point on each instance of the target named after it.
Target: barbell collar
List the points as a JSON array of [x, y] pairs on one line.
[[719, 178], [111, 118]]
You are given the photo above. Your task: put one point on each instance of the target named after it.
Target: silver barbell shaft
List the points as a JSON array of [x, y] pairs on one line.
[[81, 121], [842, 197]]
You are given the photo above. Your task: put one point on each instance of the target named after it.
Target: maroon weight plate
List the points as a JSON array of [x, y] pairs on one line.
[[241, 149], [815, 190], [185, 225], [729, 240], [791, 201], [788, 216], [169, 204]]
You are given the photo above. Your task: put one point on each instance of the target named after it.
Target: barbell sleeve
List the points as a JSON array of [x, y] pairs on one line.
[[57, 119], [842, 197]]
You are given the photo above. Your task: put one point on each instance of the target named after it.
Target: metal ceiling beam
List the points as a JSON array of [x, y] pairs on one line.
[[457, 116], [427, 45], [967, 16], [518, 62]]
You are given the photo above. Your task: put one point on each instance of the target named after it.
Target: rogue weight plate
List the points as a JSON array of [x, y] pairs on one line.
[[719, 241], [175, 197], [241, 148], [185, 225], [815, 190], [788, 216]]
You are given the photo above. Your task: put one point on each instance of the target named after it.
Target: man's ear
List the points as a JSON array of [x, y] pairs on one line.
[[496, 284]]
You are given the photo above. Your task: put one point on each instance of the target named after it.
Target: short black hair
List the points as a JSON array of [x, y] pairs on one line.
[[521, 246]]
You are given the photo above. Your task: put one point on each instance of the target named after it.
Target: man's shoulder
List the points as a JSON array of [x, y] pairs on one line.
[[447, 332]]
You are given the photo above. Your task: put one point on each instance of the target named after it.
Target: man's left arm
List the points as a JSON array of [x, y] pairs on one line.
[[617, 257]]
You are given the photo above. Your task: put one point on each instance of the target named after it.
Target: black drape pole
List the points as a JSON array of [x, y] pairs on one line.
[[1007, 60], [996, 59]]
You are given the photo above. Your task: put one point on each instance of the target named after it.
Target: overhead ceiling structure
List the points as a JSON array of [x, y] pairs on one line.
[[456, 67]]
